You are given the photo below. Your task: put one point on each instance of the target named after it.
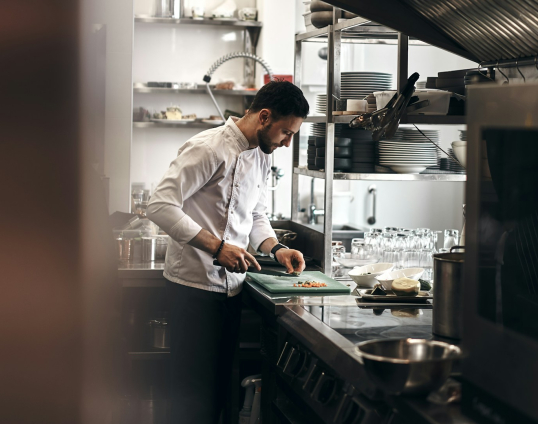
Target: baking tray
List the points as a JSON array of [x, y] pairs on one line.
[[423, 296]]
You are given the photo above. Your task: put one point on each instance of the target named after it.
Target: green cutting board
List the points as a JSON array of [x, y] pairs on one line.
[[275, 284]]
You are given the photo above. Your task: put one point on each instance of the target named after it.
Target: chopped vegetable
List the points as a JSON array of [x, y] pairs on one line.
[[425, 285], [309, 284]]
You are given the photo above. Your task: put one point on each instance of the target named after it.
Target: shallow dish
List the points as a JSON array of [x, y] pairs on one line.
[[403, 169], [387, 278], [371, 271]]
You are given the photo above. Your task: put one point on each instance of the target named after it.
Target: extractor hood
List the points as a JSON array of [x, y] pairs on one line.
[[479, 30]]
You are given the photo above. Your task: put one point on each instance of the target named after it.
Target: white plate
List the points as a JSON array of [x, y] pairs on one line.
[[213, 121], [407, 169], [173, 121]]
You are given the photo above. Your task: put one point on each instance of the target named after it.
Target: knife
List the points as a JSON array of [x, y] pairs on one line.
[[263, 271]]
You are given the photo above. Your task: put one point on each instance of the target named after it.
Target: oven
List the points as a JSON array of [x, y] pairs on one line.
[[501, 269]]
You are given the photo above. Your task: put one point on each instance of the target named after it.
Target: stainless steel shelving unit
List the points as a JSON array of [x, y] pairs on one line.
[[357, 30]]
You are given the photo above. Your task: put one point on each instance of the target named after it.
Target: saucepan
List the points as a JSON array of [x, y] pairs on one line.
[[411, 366], [285, 236]]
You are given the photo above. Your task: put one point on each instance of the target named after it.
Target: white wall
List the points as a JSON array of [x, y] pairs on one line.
[[118, 19]]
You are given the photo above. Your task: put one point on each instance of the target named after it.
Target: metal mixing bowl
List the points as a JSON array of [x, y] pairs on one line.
[[408, 365]]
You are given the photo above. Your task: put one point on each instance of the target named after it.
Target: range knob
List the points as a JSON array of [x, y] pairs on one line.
[[295, 363], [325, 389]]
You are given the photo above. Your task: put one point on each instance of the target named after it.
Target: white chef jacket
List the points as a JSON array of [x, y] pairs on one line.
[[218, 184]]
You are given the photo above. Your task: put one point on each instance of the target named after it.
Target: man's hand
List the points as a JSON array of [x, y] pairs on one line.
[[236, 259], [292, 259]]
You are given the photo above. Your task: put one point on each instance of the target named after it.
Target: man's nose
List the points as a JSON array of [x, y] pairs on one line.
[[286, 142]]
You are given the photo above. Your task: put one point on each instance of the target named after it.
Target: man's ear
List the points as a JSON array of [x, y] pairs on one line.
[[264, 116]]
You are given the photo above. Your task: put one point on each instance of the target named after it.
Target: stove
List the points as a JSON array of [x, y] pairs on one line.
[[318, 369]]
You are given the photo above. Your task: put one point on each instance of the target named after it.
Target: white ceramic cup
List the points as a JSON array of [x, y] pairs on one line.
[[357, 105], [248, 14]]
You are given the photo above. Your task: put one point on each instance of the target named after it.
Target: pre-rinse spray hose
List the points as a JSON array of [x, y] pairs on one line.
[[230, 56]]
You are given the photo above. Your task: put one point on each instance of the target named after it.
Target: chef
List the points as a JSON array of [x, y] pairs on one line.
[[212, 203]]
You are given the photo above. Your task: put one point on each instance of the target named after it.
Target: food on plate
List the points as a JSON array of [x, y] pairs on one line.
[[405, 287], [296, 273], [378, 290], [191, 116], [174, 113], [425, 285], [309, 284]]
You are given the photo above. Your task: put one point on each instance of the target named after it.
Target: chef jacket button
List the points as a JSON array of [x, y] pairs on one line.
[[232, 212], [227, 237]]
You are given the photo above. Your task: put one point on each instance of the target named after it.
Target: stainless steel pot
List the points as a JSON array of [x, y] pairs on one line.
[[154, 248], [159, 334], [285, 236], [411, 366], [448, 293]]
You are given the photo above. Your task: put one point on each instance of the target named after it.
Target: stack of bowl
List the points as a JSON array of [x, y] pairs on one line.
[[342, 154]]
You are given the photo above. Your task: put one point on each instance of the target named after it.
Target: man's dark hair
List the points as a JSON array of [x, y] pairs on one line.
[[282, 98]]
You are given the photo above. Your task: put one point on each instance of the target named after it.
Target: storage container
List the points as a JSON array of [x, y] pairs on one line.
[[439, 101]]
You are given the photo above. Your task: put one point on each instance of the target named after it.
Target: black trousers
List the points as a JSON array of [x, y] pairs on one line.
[[204, 328]]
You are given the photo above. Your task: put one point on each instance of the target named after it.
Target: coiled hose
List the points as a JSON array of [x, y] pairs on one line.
[[226, 58]]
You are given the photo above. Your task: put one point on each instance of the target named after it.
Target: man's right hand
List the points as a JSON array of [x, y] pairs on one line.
[[236, 259]]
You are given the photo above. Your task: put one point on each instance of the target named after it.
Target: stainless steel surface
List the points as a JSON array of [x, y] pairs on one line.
[[147, 90], [159, 334], [373, 191], [188, 21], [408, 366], [448, 294], [383, 177]]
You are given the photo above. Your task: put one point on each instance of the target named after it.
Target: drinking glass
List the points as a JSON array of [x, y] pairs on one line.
[[390, 230], [357, 247], [401, 242], [386, 242], [338, 251], [392, 257], [451, 238], [412, 258], [426, 262]]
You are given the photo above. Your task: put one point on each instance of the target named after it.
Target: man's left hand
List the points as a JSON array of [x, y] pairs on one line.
[[292, 259]]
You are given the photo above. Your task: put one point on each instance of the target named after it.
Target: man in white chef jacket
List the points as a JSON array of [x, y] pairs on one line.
[[212, 203]]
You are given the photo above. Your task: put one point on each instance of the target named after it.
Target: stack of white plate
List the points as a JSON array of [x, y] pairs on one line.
[[407, 157], [358, 85], [321, 103]]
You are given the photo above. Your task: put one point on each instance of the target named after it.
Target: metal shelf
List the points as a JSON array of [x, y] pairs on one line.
[[201, 90], [382, 177], [195, 124], [190, 21], [357, 30], [412, 119]]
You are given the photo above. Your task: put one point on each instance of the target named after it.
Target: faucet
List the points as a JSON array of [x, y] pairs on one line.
[[313, 213]]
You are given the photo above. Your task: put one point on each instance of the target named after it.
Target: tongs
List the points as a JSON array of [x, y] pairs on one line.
[[384, 122]]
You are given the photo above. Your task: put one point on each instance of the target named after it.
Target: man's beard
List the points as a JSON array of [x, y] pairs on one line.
[[264, 141]]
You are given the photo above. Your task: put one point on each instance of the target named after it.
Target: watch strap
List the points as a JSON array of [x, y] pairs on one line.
[[275, 249]]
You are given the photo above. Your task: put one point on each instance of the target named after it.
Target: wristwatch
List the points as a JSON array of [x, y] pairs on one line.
[[275, 249]]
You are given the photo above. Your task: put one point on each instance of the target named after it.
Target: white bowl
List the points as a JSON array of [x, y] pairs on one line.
[[387, 278], [369, 280], [407, 169], [460, 150]]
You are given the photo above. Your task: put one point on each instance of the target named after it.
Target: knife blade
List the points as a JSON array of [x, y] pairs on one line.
[[264, 271]]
